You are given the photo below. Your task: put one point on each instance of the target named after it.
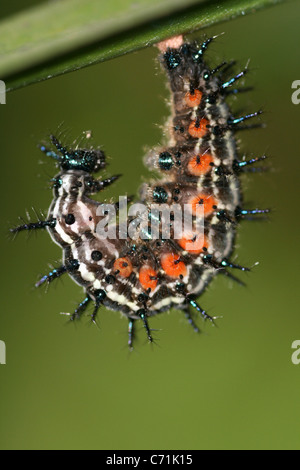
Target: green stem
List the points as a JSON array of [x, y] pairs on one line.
[[64, 36]]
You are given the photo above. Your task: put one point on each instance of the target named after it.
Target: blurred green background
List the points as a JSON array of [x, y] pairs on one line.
[[76, 386]]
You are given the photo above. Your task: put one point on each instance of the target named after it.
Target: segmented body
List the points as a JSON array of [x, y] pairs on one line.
[[198, 166]]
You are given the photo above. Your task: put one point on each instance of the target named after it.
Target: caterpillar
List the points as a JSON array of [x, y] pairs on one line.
[[198, 169]]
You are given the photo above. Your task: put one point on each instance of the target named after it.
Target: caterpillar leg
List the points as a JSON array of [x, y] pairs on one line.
[[78, 312], [190, 319], [95, 313], [34, 225], [80, 309], [232, 80], [143, 316], [203, 313], [225, 263], [131, 333], [241, 213], [239, 165], [99, 295], [70, 267]]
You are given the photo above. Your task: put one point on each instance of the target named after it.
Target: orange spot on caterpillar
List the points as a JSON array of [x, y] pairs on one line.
[[194, 243], [172, 265], [193, 99], [123, 266], [208, 203], [200, 164], [148, 277], [198, 128]]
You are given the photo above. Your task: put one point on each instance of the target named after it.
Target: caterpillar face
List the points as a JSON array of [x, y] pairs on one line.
[[149, 272]]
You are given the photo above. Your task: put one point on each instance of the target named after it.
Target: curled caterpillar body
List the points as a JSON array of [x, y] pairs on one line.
[[199, 172]]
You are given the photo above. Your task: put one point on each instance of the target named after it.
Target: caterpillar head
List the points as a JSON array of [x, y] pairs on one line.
[[87, 160]]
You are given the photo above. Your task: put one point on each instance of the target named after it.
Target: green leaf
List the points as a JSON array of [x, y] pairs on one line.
[[66, 35]]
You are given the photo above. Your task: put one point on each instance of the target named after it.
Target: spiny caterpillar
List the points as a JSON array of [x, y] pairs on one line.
[[199, 168]]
